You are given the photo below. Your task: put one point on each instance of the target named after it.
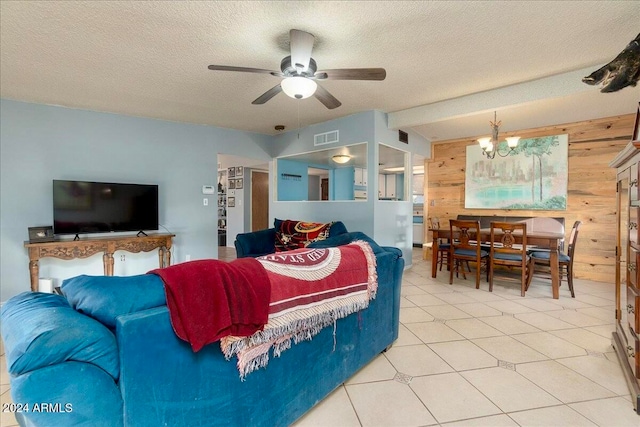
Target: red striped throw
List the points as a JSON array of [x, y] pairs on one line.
[[310, 289]]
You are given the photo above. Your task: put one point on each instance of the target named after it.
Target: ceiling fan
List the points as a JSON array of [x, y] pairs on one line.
[[299, 73]]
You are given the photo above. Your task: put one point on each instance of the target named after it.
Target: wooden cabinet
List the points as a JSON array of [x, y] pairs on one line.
[[625, 338]]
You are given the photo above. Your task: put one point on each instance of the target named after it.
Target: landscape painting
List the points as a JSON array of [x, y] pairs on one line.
[[532, 177]]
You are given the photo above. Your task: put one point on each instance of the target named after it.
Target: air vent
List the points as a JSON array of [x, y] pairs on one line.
[[403, 137], [326, 138]]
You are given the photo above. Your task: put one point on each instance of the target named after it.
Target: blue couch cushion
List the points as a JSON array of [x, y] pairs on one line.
[[106, 297], [41, 329], [346, 238]]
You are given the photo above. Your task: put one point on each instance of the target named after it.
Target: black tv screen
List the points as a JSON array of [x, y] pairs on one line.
[[102, 207]]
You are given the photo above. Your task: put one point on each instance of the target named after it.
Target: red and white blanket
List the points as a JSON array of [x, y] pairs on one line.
[[310, 289]]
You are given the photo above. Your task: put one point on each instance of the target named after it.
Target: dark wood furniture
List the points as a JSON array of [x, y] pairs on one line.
[[465, 248], [507, 253], [544, 239], [565, 260], [626, 339], [443, 245], [86, 247]]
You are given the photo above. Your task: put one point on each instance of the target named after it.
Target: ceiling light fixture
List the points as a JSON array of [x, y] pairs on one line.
[[491, 145], [341, 158], [298, 87]]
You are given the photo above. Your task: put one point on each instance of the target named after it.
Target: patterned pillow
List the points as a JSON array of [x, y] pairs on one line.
[[298, 234]]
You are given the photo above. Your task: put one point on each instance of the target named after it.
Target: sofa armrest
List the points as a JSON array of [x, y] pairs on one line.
[[256, 243]]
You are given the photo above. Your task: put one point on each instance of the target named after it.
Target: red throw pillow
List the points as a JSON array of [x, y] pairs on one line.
[[298, 234]]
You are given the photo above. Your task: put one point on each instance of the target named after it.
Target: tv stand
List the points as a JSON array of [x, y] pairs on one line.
[[76, 238], [86, 247]]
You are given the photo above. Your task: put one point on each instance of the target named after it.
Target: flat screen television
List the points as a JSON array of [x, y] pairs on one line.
[[103, 207]]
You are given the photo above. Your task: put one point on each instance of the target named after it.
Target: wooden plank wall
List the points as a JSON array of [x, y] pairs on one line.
[[591, 188]]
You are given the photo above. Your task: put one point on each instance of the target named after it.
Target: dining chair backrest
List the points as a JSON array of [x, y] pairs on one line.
[[465, 235], [503, 233], [573, 237]]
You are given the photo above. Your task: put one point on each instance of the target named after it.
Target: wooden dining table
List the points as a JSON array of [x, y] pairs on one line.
[[544, 240]]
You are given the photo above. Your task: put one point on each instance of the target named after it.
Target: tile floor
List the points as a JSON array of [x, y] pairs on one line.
[[468, 357]]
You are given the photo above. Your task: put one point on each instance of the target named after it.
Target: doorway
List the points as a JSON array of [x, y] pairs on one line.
[[259, 200]]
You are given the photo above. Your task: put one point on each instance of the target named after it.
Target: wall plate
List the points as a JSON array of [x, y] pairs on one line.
[[208, 189]]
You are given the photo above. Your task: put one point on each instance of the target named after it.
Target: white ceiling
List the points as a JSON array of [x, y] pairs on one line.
[[449, 64]]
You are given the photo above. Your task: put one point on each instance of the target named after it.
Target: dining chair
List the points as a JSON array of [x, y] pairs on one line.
[[505, 252], [443, 244], [465, 247], [565, 261]]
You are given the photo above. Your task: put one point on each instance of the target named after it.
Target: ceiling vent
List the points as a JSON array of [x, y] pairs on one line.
[[326, 138], [403, 137]]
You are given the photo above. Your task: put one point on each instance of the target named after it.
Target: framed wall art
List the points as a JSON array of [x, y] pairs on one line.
[[239, 183], [532, 177], [231, 202]]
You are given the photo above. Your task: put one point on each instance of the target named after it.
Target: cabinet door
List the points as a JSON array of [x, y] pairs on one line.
[[633, 303], [390, 186], [364, 176], [382, 190]]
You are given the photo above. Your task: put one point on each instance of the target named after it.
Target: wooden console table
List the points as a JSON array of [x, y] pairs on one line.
[[84, 248]]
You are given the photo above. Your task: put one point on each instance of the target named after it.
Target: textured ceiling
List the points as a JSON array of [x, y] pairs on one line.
[[150, 59]]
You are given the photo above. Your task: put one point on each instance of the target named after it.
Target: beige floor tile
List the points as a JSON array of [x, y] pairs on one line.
[[551, 416], [404, 302], [483, 296], [464, 355], [413, 315], [388, 403], [563, 383], [406, 337], [449, 397], [602, 313], [436, 288], [380, 369], [585, 339], [543, 321], [492, 421], [602, 330], [430, 332], [478, 309], [550, 345], [594, 300], [570, 303], [616, 412], [335, 410], [411, 290], [456, 298], [577, 319], [509, 325], [600, 370], [423, 300], [537, 304], [447, 312], [500, 386], [508, 349], [7, 418], [417, 360], [510, 307], [473, 328]]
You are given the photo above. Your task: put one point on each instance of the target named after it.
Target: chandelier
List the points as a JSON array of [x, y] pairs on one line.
[[490, 145]]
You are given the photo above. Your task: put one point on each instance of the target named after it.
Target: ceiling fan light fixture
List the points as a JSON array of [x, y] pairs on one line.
[[341, 158], [298, 87]]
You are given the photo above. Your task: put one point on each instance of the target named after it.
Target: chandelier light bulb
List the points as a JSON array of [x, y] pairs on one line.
[[512, 141]]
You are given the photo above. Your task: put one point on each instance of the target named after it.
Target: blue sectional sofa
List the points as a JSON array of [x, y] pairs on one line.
[[106, 355]]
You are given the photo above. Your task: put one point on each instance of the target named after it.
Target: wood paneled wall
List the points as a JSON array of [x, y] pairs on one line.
[[591, 188]]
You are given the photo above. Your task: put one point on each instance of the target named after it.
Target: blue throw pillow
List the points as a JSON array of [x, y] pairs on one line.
[[41, 329], [106, 297]]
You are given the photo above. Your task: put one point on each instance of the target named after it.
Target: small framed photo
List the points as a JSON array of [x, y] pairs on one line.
[[232, 184], [231, 202], [239, 183], [41, 234], [231, 172], [239, 171]]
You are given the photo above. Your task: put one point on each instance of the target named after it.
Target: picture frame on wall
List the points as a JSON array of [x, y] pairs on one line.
[[239, 171], [239, 183], [232, 184], [231, 202], [231, 172]]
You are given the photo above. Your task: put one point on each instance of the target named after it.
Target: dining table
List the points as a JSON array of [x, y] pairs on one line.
[[541, 240]]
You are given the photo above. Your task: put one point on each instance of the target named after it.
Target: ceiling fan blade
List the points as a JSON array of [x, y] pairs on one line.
[[268, 95], [353, 74], [326, 98], [301, 46], [242, 69]]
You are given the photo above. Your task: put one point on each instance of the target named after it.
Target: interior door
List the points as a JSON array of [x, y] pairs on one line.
[[259, 200]]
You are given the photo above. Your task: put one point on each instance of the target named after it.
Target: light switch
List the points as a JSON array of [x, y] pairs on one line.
[[205, 202]]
